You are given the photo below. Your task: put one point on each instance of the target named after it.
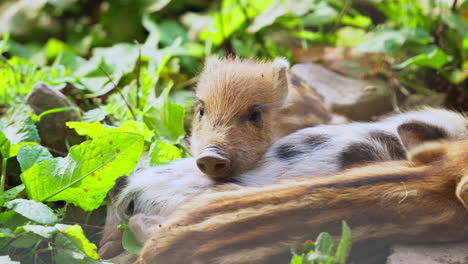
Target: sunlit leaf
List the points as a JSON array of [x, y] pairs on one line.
[[33, 210], [30, 155], [84, 177], [435, 59], [161, 153]]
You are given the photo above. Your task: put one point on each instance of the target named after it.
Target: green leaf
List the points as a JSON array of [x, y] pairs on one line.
[[231, 18], [97, 129], [16, 147], [324, 243], [84, 177], [456, 22], [7, 260], [69, 253], [129, 241], [33, 210], [166, 119], [344, 247], [11, 194], [323, 14], [54, 47], [4, 146], [76, 235], [350, 37], [357, 21], [435, 59], [18, 126], [161, 153], [465, 43], [43, 231], [30, 155], [384, 41]]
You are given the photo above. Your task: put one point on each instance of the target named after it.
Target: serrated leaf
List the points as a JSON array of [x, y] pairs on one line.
[[161, 153], [129, 241], [18, 126], [76, 235], [30, 155], [84, 177], [166, 119], [324, 243], [96, 129], [344, 247], [33, 210], [7, 260]]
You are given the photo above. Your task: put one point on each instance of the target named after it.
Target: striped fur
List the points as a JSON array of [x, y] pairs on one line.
[[400, 201]]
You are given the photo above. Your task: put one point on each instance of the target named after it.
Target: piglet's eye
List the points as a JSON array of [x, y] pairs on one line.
[[201, 112], [255, 116]]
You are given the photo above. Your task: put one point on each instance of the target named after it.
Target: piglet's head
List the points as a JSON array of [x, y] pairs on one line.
[[233, 122]]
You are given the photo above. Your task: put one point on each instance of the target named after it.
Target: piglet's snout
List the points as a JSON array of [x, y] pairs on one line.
[[214, 162]]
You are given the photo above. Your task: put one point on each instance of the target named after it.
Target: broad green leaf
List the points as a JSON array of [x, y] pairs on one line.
[[84, 177], [296, 260], [4, 146], [358, 21], [30, 155], [16, 147], [456, 22], [11, 194], [95, 115], [384, 41], [33, 210], [97, 129], [69, 253], [6, 232], [344, 247], [232, 16], [323, 14], [350, 36], [54, 47], [435, 59], [7, 260], [129, 241], [18, 126], [43, 231], [26, 240], [161, 153], [69, 60], [465, 43], [166, 119], [76, 235], [324, 243]]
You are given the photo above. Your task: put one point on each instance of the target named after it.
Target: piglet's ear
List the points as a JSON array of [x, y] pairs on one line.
[[427, 153], [280, 76], [462, 190], [414, 133]]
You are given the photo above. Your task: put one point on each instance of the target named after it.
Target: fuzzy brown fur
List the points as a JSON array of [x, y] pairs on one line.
[[421, 200], [229, 88]]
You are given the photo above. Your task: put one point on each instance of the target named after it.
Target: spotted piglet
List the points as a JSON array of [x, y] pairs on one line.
[[308, 152]]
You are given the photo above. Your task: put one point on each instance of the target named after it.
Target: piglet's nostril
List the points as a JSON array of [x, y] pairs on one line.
[[213, 163], [220, 166]]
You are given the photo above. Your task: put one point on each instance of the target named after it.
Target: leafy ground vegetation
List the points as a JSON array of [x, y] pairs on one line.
[[128, 66]]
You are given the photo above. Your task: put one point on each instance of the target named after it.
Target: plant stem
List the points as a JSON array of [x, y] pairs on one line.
[[120, 92], [3, 175]]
